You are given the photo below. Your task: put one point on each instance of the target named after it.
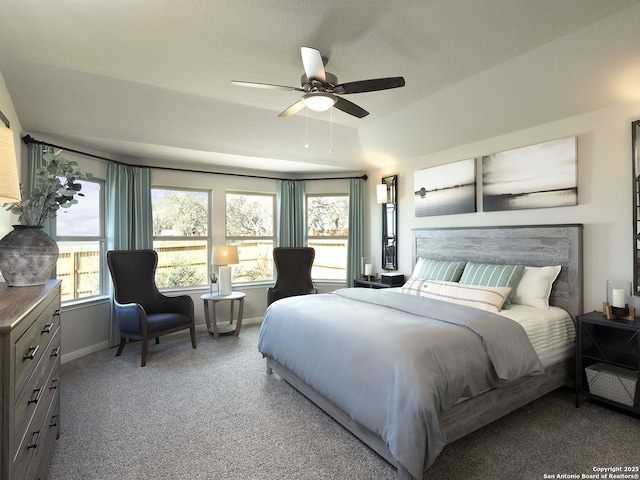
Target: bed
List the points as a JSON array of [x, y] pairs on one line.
[[376, 403]]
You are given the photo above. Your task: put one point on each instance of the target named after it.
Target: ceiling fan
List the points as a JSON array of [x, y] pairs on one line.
[[321, 89]]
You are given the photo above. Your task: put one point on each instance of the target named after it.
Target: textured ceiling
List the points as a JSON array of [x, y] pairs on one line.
[[150, 79]]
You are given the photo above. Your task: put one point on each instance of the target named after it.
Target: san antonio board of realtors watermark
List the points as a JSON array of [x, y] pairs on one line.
[[599, 473]]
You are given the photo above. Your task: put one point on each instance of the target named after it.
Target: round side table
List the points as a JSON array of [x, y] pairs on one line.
[[213, 327]]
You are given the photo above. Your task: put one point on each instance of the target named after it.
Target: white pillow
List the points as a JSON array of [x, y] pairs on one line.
[[535, 286], [476, 296]]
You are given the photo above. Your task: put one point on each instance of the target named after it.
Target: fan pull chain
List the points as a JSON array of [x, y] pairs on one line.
[[306, 137], [331, 130]]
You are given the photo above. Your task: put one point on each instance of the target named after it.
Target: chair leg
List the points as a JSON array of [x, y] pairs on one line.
[[157, 340], [193, 336], [145, 349], [121, 346]]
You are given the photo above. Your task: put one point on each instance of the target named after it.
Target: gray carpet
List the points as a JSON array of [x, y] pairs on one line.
[[213, 413]]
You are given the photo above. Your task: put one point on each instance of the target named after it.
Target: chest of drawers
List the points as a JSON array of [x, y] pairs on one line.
[[29, 379]]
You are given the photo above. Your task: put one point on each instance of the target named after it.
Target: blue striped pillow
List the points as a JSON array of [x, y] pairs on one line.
[[444, 270], [491, 275]]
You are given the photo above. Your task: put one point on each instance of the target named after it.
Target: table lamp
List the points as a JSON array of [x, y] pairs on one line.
[[9, 186], [223, 256]]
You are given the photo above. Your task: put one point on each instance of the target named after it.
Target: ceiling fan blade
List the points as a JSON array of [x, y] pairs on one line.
[[369, 85], [295, 108], [313, 64], [266, 86], [351, 108]]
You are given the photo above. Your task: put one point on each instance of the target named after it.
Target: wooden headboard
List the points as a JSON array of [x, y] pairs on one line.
[[532, 245]]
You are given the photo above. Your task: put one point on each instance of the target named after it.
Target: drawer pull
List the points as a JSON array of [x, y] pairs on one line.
[[34, 440], [35, 396], [47, 328], [55, 352], [54, 384], [54, 421], [31, 353], [56, 313]]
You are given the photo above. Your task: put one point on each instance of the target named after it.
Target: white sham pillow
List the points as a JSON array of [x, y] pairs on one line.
[[476, 296], [535, 285]]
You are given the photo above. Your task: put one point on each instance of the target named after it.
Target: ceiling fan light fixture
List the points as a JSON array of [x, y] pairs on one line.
[[319, 101]]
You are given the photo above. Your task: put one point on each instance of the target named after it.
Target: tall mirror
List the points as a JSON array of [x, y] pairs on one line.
[[387, 196], [635, 149]]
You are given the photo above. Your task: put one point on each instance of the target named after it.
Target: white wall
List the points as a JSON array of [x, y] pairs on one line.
[[604, 194]]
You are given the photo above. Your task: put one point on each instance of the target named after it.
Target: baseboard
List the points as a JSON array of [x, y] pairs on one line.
[[201, 327], [84, 351]]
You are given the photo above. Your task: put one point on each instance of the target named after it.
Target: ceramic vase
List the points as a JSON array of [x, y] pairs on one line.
[[27, 256]]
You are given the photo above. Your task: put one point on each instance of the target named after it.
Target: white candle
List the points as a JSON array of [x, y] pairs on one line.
[[618, 298], [368, 269]]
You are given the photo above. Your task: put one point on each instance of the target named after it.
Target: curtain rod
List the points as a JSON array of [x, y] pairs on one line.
[[5, 120], [27, 139]]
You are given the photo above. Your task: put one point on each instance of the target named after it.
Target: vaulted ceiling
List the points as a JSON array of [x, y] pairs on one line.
[[151, 79]]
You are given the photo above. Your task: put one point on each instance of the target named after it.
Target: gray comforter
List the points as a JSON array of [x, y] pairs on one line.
[[394, 361]]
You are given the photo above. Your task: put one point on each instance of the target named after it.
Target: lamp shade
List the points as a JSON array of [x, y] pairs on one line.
[[9, 184], [382, 193], [224, 255], [319, 101]]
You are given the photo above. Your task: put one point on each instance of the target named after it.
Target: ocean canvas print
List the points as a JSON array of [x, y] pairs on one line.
[[537, 176], [446, 189]]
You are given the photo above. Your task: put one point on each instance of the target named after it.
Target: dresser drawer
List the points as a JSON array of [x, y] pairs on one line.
[[36, 436], [34, 395], [50, 431], [31, 346]]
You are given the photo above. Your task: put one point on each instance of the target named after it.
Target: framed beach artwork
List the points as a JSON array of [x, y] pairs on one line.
[[446, 189], [537, 176]]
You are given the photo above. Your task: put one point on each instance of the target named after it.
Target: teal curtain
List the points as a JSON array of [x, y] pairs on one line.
[[35, 160], [355, 247], [292, 230], [129, 215]]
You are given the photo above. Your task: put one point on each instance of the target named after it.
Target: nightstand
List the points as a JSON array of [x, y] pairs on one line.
[[369, 284], [608, 361]]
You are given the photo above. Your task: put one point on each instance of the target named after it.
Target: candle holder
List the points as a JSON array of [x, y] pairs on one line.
[[617, 304]]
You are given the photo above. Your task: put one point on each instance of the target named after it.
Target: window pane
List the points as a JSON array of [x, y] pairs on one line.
[[327, 233], [78, 267], [330, 259], [249, 225], [181, 263], [256, 261], [179, 213], [249, 215], [82, 219], [328, 216]]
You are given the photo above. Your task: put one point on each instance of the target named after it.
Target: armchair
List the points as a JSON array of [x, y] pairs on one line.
[[142, 311], [293, 268]]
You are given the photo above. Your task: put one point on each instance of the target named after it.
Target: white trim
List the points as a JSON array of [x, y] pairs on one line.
[[84, 351]]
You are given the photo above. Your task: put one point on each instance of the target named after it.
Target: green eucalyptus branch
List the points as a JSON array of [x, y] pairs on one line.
[[55, 187]]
